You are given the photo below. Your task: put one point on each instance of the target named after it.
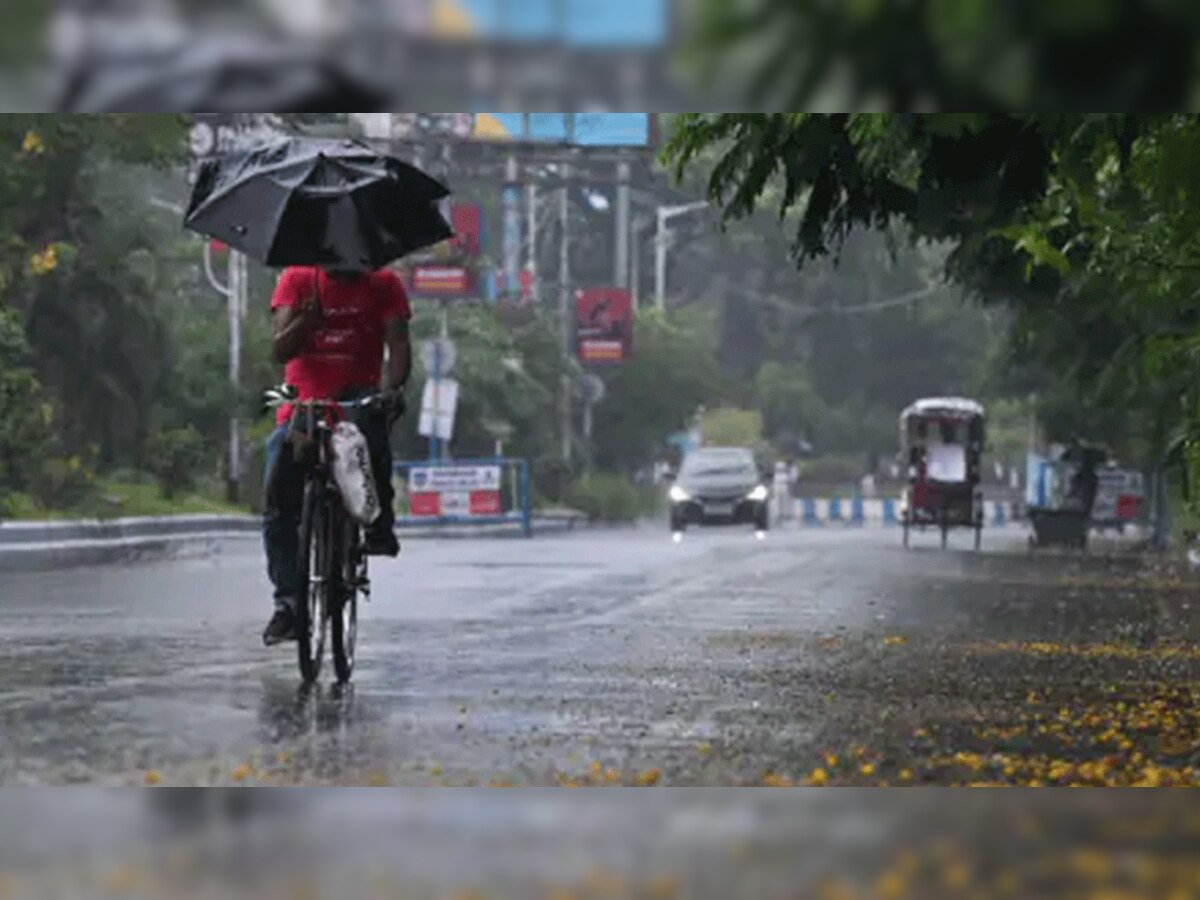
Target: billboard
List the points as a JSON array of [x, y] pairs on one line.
[[599, 129], [438, 281], [573, 23], [454, 491], [603, 325], [593, 129], [466, 219]]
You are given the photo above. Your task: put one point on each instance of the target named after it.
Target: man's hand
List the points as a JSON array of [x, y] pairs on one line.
[[394, 403], [310, 312], [293, 327]]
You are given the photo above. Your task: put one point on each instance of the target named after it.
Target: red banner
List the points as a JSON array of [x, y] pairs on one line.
[[485, 503], [441, 281], [467, 221], [604, 325], [425, 504]]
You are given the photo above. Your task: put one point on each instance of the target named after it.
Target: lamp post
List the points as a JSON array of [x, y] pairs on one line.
[[661, 240]]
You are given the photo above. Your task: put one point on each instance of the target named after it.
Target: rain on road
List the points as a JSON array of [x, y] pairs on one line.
[[615, 657]]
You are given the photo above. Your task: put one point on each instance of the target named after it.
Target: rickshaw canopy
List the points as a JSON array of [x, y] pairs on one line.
[[943, 407]]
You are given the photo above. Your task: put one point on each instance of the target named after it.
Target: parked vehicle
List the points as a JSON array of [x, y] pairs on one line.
[[942, 439], [719, 485], [1067, 490]]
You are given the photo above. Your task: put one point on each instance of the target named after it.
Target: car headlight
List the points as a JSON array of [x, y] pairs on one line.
[[678, 494], [759, 494]]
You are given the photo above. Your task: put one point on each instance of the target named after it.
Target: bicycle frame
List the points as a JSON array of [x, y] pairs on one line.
[[334, 565]]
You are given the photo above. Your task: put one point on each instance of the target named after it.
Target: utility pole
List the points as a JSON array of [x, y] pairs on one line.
[[621, 225], [564, 304], [635, 260], [531, 257], [662, 241], [235, 292], [510, 197]]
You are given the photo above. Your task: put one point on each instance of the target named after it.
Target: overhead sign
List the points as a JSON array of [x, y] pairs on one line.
[[439, 402], [604, 325], [435, 491], [441, 281], [582, 129], [573, 23], [595, 129]]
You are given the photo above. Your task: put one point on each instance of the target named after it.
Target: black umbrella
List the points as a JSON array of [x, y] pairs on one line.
[[317, 203]]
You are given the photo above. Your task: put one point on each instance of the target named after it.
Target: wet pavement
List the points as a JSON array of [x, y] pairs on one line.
[[617, 657]]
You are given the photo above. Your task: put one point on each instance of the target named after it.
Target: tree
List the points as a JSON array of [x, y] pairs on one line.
[[672, 372], [790, 407], [1036, 207], [27, 417], [79, 263], [950, 54]]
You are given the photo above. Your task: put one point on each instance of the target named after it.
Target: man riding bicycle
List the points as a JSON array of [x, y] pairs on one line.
[[330, 328]]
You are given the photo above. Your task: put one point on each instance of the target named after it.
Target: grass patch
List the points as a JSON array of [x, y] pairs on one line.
[[115, 499]]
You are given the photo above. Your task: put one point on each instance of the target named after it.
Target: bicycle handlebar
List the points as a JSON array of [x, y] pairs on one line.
[[286, 394]]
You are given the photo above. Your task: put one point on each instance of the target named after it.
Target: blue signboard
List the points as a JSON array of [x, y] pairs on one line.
[[578, 23], [584, 129]]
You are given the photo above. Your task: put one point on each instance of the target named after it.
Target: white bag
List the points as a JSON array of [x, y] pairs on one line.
[[353, 475]]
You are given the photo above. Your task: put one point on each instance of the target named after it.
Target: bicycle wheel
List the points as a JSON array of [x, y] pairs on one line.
[[344, 613], [314, 564]]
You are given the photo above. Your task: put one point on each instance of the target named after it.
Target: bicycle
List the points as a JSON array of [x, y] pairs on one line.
[[331, 559]]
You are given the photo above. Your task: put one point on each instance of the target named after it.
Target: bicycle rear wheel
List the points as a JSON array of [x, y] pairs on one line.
[[344, 612], [314, 563]]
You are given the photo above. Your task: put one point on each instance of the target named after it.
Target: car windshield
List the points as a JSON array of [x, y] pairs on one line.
[[719, 462]]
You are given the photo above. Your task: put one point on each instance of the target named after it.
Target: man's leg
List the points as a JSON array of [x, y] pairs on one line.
[[284, 496], [381, 536]]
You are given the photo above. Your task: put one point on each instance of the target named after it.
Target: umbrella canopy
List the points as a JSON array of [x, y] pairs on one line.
[[337, 204], [221, 73]]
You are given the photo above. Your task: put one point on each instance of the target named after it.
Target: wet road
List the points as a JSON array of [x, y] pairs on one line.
[[611, 657]]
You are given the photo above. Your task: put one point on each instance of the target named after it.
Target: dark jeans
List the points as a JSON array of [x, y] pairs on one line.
[[284, 498]]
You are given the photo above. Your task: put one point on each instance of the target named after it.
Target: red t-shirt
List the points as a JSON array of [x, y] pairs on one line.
[[347, 351]]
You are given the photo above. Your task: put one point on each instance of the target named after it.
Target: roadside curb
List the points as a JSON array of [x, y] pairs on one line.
[[26, 546]]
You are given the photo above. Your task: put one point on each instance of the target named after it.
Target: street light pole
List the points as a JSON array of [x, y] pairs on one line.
[[640, 224], [531, 204], [621, 226], [564, 305], [661, 240], [235, 292]]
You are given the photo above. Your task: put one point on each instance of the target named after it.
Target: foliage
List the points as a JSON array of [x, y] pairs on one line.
[[830, 471], [673, 371], [64, 482], [26, 432], [174, 457], [789, 405], [607, 497], [949, 54], [78, 263], [1038, 209], [111, 497], [509, 372], [730, 427]]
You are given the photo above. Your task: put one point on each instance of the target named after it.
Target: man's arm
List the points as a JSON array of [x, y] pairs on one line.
[[292, 328], [399, 348]]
